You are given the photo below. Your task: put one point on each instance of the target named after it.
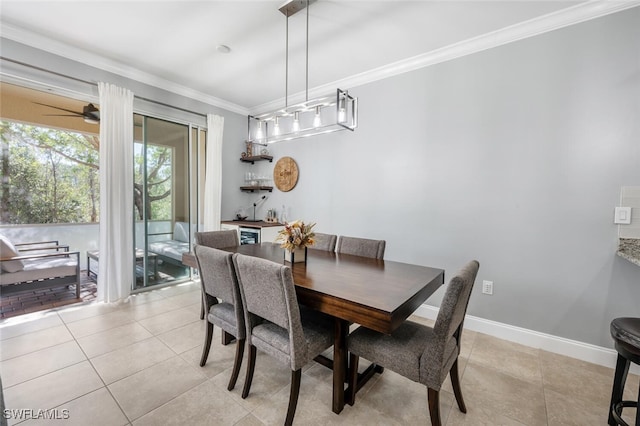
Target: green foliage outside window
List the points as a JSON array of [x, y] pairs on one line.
[[48, 176], [52, 176]]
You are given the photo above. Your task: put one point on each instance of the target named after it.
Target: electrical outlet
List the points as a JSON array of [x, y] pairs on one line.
[[487, 287]]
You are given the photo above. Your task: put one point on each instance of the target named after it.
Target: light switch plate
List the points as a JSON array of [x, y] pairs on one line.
[[622, 216]]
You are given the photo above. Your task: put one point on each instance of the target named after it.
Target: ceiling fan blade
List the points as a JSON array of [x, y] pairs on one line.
[[63, 115], [90, 113], [61, 109]]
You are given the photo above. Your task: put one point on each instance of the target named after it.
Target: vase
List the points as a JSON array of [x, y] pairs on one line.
[[298, 255]]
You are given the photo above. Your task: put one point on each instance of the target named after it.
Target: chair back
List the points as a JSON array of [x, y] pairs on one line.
[[217, 239], [268, 292], [365, 247], [454, 304], [326, 242], [443, 349], [219, 280]]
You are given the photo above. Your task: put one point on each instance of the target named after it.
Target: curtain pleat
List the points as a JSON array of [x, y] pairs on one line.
[[116, 261], [213, 174]]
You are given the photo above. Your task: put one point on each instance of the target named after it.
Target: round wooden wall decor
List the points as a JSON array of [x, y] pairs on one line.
[[285, 174]]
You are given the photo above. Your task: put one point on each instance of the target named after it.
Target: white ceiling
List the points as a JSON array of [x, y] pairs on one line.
[[173, 43]]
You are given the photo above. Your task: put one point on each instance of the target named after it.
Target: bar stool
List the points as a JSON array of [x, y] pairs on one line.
[[626, 335]]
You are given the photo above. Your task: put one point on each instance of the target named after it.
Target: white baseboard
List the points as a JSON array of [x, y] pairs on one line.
[[559, 345]]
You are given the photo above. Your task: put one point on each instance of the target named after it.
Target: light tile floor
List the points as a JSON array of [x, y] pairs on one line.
[[137, 364]]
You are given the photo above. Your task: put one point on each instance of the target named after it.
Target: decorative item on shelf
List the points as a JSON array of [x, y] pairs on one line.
[[272, 217], [240, 214], [316, 116], [264, 151], [294, 238], [249, 146]]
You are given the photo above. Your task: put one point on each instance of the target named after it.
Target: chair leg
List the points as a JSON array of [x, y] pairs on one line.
[[293, 396], [638, 409], [457, 390], [207, 344], [236, 364], [353, 378], [250, 367], [620, 377], [434, 407]]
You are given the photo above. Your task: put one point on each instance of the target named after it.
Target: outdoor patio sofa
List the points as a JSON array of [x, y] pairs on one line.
[[171, 250], [31, 266]]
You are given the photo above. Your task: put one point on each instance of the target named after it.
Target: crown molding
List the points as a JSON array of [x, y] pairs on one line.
[[543, 24], [533, 27], [38, 41]]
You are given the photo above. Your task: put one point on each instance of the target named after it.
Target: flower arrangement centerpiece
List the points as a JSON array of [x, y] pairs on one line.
[[295, 238]]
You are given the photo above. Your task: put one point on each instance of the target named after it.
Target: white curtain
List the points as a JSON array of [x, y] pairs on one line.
[[213, 174], [115, 266]]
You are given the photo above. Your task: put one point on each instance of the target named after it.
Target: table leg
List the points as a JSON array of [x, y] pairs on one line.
[[341, 329]]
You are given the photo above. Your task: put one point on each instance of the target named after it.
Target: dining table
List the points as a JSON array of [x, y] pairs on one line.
[[374, 293]]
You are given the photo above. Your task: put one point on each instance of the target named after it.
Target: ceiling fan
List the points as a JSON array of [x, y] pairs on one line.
[[89, 113]]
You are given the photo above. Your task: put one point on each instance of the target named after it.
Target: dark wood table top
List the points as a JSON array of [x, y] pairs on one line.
[[378, 294]]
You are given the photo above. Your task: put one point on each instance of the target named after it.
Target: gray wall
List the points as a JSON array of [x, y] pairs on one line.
[[514, 156]]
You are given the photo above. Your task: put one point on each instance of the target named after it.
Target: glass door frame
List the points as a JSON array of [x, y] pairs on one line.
[[195, 183]]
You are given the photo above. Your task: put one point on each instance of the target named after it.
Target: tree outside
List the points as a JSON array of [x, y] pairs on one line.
[[159, 174], [52, 176]]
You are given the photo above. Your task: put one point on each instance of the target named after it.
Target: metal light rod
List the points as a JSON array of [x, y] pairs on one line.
[[292, 7]]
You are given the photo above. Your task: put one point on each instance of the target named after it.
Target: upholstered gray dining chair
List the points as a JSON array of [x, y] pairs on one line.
[[361, 247], [220, 282], [325, 242], [421, 353], [216, 239], [276, 324]]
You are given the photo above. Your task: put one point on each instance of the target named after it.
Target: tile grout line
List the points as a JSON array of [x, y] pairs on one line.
[[98, 375], [544, 393]]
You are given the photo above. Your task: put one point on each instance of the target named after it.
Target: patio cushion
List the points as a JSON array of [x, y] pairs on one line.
[[169, 248], [7, 249], [181, 232], [38, 269]]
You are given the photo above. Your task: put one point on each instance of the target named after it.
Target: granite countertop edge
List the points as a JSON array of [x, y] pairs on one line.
[[629, 248]]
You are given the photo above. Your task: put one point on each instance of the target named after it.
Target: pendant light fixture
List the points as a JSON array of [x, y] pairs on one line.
[[312, 117]]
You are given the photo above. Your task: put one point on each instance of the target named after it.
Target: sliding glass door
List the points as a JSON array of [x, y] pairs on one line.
[[162, 205]]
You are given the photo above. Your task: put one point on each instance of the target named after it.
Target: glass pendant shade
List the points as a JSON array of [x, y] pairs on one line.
[[259, 132], [276, 126], [296, 122], [317, 120]]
